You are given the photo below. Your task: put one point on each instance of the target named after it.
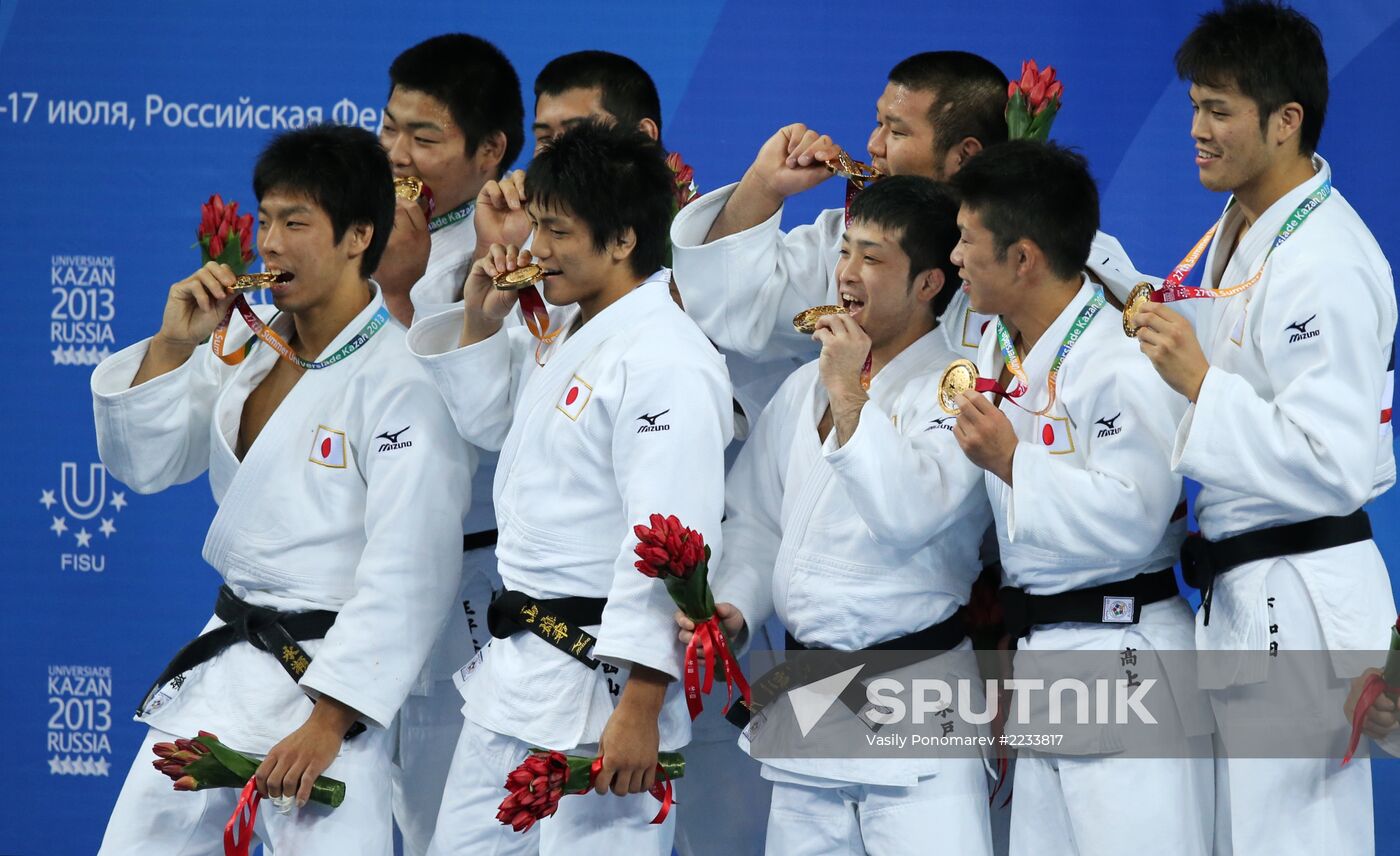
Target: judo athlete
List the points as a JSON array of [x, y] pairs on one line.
[[1290, 375], [854, 515], [625, 413], [455, 121], [1076, 447], [341, 486]]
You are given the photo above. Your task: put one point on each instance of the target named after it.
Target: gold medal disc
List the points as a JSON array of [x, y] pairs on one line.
[[959, 377], [254, 281], [1140, 295], [806, 320], [409, 187], [522, 277], [847, 167]]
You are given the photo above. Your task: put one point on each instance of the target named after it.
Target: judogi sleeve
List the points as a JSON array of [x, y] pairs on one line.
[[478, 382], [753, 514], [1315, 446], [744, 289], [906, 489], [680, 472], [1117, 503], [411, 566], [157, 434]]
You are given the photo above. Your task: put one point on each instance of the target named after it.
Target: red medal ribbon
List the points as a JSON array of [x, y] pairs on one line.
[[238, 832], [709, 638], [537, 319], [1373, 689], [663, 790]]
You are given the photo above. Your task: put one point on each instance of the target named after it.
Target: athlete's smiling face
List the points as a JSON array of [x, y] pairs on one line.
[[295, 235]]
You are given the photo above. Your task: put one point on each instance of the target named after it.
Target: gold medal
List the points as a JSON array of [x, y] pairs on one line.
[[806, 320], [409, 187], [847, 167], [959, 377], [1140, 295], [254, 281], [521, 277]]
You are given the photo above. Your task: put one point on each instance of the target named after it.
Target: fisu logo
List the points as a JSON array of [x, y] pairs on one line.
[[82, 498]]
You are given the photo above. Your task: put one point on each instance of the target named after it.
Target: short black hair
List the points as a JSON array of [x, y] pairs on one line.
[[476, 82], [1273, 54], [969, 95], [343, 170], [628, 92], [1034, 190], [926, 213], [613, 178]]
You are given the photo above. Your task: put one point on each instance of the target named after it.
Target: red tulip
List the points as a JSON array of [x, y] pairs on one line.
[[1028, 75]]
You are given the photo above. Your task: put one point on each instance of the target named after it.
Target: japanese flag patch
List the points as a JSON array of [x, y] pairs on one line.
[[974, 326], [574, 398], [1053, 432], [328, 450]]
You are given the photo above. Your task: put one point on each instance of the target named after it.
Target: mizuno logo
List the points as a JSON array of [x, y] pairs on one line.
[[1110, 425], [1302, 330], [394, 437], [393, 440], [651, 422], [944, 422]]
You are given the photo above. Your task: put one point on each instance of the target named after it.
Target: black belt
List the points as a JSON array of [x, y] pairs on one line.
[[1113, 603], [1202, 561], [559, 621], [477, 540], [268, 630], [918, 646]]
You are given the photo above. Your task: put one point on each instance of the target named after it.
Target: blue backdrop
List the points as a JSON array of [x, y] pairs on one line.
[[117, 120]]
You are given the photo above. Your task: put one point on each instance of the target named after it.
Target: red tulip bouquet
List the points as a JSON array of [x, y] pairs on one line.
[[537, 785], [678, 556], [224, 235], [1032, 102]]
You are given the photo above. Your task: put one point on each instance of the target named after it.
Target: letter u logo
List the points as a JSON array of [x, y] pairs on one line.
[[94, 498]]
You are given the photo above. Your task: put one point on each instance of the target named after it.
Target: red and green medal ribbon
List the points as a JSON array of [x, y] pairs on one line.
[[278, 344], [1013, 360], [1172, 289]]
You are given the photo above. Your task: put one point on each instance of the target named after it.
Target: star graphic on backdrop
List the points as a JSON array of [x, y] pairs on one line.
[[84, 537], [100, 767], [47, 500], [55, 766], [118, 499], [107, 528], [59, 526], [57, 354]]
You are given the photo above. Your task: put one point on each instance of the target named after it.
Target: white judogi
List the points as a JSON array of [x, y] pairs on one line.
[[449, 262], [628, 417], [431, 717], [855, 545], [1287, 427], [351, 500], [752, 283], [1092, 501]]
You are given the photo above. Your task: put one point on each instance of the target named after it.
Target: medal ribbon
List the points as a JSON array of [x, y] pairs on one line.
[[1013, 361], [537, 319], [662, 790], [278, 344], [461, 212], [1173, 290], [709, 639], [238, 832]]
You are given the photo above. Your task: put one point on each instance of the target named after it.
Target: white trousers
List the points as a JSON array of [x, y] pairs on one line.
[[585, 824], [1293, 805], [1101, 806], [150, 817], [722, 781], [945, 813], [429, 722]]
